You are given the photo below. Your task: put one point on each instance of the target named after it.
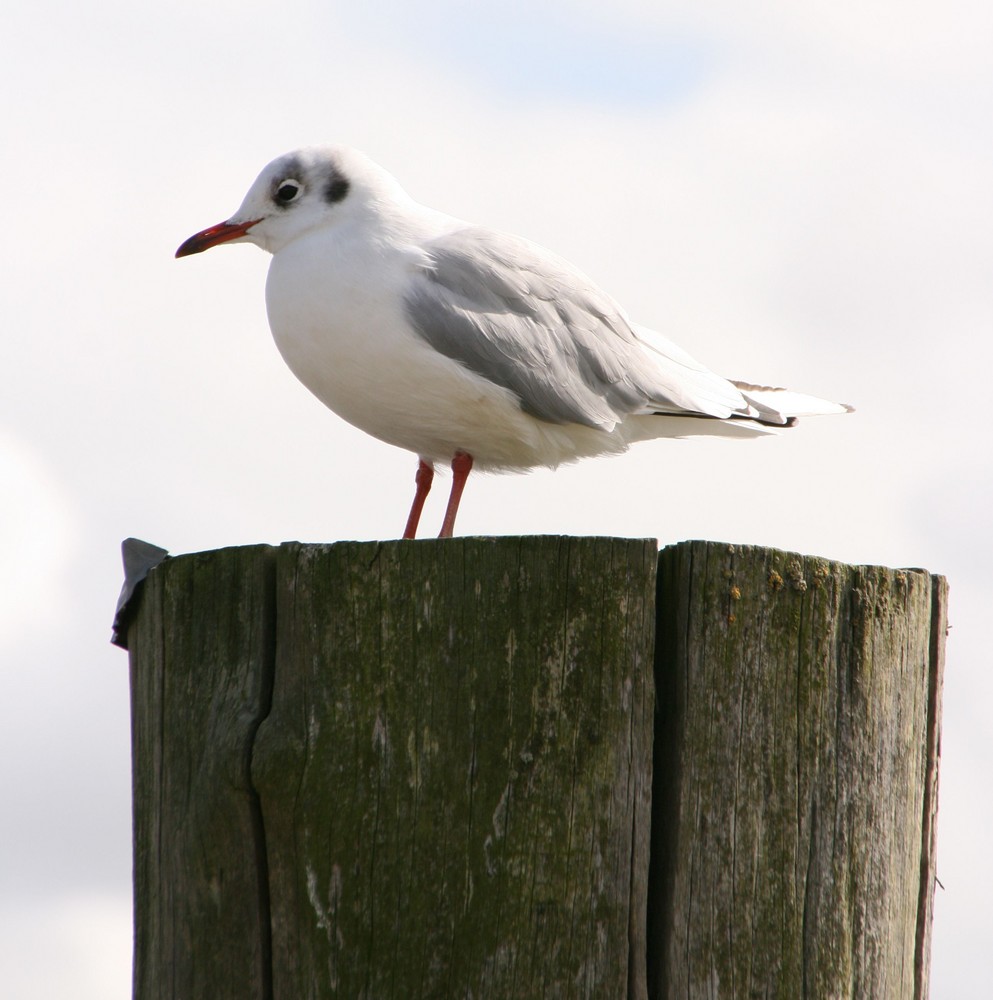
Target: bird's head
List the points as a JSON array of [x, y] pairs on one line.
[[318, 186]]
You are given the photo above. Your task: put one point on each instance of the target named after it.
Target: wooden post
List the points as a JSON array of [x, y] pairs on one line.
[[200, 645], [423, 769], [449, 794], [796, 765]]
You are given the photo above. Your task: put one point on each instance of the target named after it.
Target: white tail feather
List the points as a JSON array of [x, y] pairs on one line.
[[780, 406]]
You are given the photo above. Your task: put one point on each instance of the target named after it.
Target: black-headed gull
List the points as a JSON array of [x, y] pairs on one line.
[[462, 344]]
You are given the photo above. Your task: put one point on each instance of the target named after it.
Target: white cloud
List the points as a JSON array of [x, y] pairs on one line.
[[68, 946], [39, 538]]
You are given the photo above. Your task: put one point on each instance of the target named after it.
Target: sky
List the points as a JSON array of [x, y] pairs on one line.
[[797, 194]]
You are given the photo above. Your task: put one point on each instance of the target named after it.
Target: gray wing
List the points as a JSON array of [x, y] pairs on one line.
[[528, 321]]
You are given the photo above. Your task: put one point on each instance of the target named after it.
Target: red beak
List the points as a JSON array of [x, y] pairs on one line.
[[221, 233]]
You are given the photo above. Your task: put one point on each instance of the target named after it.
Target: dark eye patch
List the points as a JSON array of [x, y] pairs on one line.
[[337, 188]]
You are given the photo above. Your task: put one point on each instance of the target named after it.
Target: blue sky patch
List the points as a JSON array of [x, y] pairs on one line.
[[537, 52]]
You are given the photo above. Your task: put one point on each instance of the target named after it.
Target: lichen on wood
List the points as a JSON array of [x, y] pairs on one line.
[[395, 770], [792, 747]]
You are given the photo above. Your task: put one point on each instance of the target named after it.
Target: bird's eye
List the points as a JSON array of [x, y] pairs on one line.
[[287, 190]]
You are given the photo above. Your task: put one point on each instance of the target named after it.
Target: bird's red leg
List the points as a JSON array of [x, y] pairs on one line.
[[461, 467], [423, 477]]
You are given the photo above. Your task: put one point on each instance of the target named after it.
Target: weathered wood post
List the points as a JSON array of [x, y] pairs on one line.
[[796, 768], [394, 770], [424, 769]]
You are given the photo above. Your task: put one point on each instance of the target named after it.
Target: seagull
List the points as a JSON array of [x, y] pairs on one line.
[[463, 344]]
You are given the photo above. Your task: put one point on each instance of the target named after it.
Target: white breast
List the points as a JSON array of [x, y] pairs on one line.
[[338, 321]]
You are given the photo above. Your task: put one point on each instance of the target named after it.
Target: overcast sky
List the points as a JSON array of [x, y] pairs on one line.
[[799, 194]]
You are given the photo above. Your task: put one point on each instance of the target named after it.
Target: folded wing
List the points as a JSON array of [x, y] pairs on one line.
[[526, 320]]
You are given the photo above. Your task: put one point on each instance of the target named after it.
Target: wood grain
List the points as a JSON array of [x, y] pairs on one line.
[[795, 768], [449, 794]]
